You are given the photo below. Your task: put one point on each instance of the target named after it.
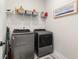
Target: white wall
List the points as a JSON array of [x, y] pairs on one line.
[[64, 29], [2, 24], [16, 21]]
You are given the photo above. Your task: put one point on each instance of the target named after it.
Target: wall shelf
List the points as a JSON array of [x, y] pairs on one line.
[[22, 12]]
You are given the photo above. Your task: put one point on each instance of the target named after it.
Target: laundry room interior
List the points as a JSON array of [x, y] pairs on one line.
[[38, 29]]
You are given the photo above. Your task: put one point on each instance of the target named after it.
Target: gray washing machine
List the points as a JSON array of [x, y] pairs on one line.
[[22, 44]]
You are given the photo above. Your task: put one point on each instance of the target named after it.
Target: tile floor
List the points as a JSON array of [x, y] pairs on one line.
[[50, 56]]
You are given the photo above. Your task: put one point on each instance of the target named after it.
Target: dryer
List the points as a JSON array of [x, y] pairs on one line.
[[43, 42]]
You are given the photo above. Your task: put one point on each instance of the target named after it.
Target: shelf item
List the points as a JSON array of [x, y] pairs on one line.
[[28, 12], [34, 13], [20, 10], [44, 14], [9, 11]]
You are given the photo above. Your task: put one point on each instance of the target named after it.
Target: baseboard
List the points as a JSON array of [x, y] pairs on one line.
[[57, 55], [54, 55]]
